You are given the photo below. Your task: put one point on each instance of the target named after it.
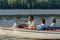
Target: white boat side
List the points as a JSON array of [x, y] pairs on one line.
[[20, 33], [29, 12]]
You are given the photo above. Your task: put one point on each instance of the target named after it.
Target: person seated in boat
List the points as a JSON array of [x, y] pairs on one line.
[[42, 26], [31, 24], [53, 20], [54, 25]]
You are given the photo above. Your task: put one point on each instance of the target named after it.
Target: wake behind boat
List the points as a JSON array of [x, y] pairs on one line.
[[25, 33]]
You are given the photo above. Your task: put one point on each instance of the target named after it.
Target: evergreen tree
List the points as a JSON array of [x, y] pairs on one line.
[[29, 4]]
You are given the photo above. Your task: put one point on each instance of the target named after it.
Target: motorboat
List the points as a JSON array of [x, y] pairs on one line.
[[26, 33]]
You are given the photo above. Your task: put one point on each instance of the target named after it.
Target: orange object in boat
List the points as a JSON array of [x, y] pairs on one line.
[[32, 28]]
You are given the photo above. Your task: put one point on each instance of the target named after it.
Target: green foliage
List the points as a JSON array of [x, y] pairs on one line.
[[29, 4]]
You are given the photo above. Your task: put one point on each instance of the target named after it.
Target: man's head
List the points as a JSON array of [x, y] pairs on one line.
[[31, 18], [43, 21], [53, 20]]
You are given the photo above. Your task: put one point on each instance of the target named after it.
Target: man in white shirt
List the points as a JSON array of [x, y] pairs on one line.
[[53, 20], [31, 24], [54, 26]]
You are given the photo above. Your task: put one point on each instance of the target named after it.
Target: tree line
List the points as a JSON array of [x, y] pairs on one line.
[[29, 4]]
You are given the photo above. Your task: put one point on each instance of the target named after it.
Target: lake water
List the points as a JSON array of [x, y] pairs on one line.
[[9, 22]]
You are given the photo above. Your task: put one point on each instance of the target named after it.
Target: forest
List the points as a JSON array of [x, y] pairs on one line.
[[29, 4]]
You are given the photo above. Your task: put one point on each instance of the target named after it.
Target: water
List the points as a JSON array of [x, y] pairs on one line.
[[9, 22], [29, 12]]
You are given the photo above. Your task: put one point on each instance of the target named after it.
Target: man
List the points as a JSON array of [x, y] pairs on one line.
[[31, 24], [42, 26], [54, 26], [53, 20]]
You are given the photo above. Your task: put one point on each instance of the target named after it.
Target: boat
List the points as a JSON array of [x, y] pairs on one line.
[[25, 33]]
